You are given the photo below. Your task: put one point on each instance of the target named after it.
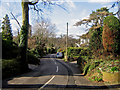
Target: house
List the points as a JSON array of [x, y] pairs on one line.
[[84, 40]]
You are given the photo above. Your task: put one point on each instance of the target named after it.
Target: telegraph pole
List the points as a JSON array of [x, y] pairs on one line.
[[67, 43]]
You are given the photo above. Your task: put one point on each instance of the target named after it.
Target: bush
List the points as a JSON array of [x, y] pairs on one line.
[[51, 50], [94, 65], [34, 52], [96, 40], [10, 68], [73, 51], [32, 58], [111, 34], [110, 66], [86, 68], [9, 49]]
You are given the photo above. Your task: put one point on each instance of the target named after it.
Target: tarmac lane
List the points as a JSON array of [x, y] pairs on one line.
[[54, 74]]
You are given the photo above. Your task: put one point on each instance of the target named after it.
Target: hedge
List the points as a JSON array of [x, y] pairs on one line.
[[10, 68]]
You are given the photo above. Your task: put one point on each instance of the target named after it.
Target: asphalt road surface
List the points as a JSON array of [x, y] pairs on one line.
[[54, 74]]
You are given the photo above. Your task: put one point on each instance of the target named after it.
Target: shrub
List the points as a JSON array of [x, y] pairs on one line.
[[32, 59], [51, 50], [10, 68], [96, 40], [111, 34], [110, 66], [73, 53], [9, 49], [34, 52], [93, 65], [86, 68]]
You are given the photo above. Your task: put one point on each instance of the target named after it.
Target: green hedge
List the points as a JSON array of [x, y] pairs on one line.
[[10, 68], [9, 50], [75, 52], [32, 59]]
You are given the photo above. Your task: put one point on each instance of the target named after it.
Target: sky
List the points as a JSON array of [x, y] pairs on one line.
[[70, 11]]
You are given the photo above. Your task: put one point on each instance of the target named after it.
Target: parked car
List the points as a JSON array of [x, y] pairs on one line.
[[59, 55]]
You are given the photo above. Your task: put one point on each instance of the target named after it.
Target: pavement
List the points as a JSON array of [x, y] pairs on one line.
[[54, 74]]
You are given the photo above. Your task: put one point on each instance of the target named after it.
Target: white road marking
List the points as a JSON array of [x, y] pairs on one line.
[[57, 69], [47, 83]]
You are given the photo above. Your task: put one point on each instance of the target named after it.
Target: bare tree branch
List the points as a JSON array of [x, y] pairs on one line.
[[16, 19], [33, 3]]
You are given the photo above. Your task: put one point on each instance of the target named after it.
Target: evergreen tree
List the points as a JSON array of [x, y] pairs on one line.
[[111, 34], [6, 29]]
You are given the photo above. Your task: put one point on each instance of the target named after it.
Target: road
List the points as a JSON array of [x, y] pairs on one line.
[[53, 74]]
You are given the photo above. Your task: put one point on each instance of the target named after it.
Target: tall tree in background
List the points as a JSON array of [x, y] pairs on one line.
[[95, 19], [25, 27], [44, 30], [6, 29], [7, 38]]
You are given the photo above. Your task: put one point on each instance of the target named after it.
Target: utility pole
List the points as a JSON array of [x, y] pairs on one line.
[[67, 43]]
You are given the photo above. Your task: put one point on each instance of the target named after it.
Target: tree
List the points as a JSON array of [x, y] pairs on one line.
[[6, 29], [44, 30], [25, 27], [111, 34], [7, 38], [95, 18]]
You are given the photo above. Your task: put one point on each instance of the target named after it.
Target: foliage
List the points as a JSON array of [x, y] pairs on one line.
[[110, 66], [60, 42], [111, 34], [7, 40], [95, 78], [96, 40], [6, 29], [86, 68], [32, 59], [10, 68], [73, 51], [35, 44], [34, 52], [93, 65], [96, 18], [51, 50], [9, 50]]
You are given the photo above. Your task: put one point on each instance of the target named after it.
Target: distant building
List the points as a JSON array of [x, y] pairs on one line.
[[84, 40]]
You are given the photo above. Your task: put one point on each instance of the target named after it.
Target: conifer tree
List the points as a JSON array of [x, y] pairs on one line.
[[6, 29]]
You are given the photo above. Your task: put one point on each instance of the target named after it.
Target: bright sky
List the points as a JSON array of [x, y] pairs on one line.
[[75, 11]]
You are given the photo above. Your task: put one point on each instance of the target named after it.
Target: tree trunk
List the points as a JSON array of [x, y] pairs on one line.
[[24, 34]]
